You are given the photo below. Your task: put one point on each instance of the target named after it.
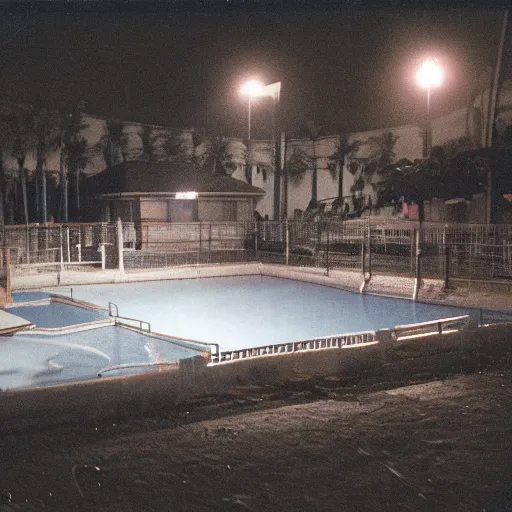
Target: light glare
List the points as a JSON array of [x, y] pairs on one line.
[[186, 195], [430, 74], [252, 88]]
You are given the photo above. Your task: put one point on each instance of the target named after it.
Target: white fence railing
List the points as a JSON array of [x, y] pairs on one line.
[[336, 341], [440, 326]]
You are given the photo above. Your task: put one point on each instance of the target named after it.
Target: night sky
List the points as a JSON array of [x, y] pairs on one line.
[[347, 69]]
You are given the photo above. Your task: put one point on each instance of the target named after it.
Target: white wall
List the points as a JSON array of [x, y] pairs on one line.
[[409, 145]]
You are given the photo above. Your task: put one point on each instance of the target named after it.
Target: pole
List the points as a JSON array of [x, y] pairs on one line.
[[327, 252], [69, 244], [417, 279], [428, 141], [277, 159], [287, 249], [120, 245], [61, 250], [495, 83], [249, 120]]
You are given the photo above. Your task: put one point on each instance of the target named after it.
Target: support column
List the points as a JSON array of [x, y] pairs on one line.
[[120, 245]]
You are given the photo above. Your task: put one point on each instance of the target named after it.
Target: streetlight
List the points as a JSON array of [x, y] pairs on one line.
[[429, 75], [255, 89], [251, 89]]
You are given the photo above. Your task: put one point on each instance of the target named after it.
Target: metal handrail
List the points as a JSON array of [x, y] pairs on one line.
[[336, 341], [111, 306], [135, 365], [118, 321], [430, 327], [113, 311]]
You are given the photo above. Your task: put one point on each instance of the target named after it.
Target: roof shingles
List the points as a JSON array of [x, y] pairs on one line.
[[144, 177]]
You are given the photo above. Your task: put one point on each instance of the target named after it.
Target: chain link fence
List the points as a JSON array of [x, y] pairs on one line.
[[391, 247], [50, 247], [159, 245], [370, 246]]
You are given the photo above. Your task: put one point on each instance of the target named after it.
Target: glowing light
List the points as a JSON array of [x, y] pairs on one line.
[[252, 88], [430, 74], [186, 195]]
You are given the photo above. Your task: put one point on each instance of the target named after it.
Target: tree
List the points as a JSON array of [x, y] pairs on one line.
[[175, 146], [113, 142], [298, 165], [344, 150], [149, 139], [76, 160], [417, 183], [22, 142], [382, 152], [45, 125], [216, 158], [72, 152]]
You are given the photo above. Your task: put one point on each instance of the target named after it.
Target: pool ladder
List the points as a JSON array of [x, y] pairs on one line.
[[113, 312]]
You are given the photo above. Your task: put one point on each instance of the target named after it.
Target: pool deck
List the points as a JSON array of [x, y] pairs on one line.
[[11, 323]]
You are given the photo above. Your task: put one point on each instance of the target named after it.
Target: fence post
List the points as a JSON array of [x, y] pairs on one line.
[[327, 251], [8, 289], [209, 242], [369, 249], [61, 250], [256, 239], [287, 240], [446, 266], [363, 255], [69, 244], [417, 279], [120, 245], [200, 243], [28, 244]]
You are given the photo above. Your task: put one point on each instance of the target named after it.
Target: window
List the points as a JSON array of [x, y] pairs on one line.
[[88, 236], [229, 210]]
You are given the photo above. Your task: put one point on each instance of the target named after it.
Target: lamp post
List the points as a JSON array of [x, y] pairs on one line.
[[251, 89], [429, 75], [254, 89]]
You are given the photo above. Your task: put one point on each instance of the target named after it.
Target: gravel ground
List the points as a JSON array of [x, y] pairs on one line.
[[349, 444]]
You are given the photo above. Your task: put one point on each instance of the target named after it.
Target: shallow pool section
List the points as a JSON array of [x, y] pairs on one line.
[[33, 360], [56, 314], [248, 311], [29, 296]]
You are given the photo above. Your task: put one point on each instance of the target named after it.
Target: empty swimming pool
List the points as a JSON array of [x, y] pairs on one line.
[[247, 311]]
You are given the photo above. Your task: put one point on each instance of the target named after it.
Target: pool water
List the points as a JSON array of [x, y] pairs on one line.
[[55, 314], [247, 311], [30, 360]]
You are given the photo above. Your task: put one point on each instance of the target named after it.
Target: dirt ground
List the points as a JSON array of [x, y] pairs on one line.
[[349, 445]]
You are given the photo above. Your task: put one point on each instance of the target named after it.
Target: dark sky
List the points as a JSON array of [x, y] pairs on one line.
[[346, 69]]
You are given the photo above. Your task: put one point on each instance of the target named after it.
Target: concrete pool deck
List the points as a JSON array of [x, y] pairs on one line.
[[10, 323]]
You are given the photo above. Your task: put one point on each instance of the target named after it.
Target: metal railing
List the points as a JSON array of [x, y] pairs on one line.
[[128, 366], [440, 326], [369, 245], [327, 342], [113, 311]]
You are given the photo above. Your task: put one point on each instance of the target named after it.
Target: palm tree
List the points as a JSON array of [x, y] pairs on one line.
[[45, 125], [148, 140], [298, 165], [113, 142], [176, 146], [217, 159], [22, 142], [71, 124], [344, 150], [76, 160]]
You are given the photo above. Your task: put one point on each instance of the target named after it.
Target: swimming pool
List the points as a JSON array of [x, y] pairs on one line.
[[247, 311]]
